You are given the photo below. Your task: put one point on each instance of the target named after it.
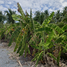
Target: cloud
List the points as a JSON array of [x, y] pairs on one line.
[[7, 6], [1, 2], [65, 0], [64, 4], [9, 3], [2, 8], [41, 5]]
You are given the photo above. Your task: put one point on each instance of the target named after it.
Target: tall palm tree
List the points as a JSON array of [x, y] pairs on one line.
[[53, 20], [37, 16], [46, 13], [64, 15], [41, 16], [9, 14], [65, 11], [2, 17], [58, 16]]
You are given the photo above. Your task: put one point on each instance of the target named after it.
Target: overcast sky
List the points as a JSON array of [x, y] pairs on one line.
[[41, 5]]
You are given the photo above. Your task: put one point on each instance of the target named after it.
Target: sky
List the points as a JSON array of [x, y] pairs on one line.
[[41, 5]]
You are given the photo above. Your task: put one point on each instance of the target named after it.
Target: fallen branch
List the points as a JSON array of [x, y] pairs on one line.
[[19, 62]]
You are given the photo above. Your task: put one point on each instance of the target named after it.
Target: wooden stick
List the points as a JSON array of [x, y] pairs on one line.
[[19, 62]]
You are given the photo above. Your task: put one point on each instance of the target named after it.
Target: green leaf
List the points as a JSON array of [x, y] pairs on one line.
[[21, 11], [56, 28], [35, 58], [64, 27], [58, 58], [45, 22], [34, 46], [51, 35], [18, 41], [59, 30], [16, 17], [39, 57], [14, 35], [20, 46], [22, 50], [65, 33], [46, 29], [64, 47], [26, 49], [29, 51], [52, 56], [59, 40]]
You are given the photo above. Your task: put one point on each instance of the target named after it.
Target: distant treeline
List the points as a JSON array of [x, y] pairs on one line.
[[39, 16]]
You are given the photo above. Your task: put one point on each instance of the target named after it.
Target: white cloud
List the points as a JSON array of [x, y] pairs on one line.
[[41, 5], [9, 3], [1, 2], [61, 1], [64, 4], [2, 8], [7, 6], [14, 9]]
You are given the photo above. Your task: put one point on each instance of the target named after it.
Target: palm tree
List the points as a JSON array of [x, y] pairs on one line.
[[2, 17], [65, 18], [64, 14], [9, 14], [58, 16], [53, 20], [37, 16], [65, 11], [41, 17], [46, 13]]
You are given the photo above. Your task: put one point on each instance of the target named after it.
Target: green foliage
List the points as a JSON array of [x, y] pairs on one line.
[[32, 37], [9, 14], [56, 59], [45, 22], [14, 35], [38, 57], [52, 56], [21, 32], [3, 28], [41, 16]]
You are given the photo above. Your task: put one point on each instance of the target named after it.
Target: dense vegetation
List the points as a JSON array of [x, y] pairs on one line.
[[45, 34]]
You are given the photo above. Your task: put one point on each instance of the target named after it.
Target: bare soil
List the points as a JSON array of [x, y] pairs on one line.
[[26, 61]]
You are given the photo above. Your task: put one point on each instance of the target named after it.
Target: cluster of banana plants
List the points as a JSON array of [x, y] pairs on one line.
[[6, 30], [53, 38], [2, 31], [37, 39]]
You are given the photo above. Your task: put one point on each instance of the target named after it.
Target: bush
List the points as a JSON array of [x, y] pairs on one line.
[[35, 39]]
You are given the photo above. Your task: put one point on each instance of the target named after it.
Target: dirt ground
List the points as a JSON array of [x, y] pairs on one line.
[[22, 61], [5, 60]]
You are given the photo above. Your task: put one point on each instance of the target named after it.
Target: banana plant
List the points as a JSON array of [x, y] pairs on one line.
[[22, 32], [29, 34], [3, 28], [60, 40], [51, 36], [47, 35]]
